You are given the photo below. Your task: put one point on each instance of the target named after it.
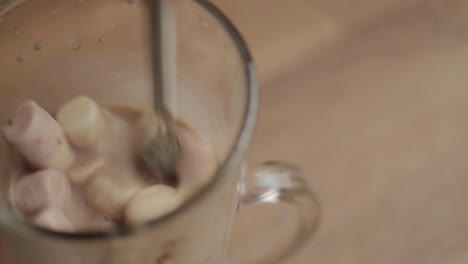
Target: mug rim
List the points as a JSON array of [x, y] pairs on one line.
[[243, 138]]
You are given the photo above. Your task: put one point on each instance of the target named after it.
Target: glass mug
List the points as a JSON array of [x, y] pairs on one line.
[[53, 50]]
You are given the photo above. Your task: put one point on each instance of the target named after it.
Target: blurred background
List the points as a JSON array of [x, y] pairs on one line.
[[370, 98]]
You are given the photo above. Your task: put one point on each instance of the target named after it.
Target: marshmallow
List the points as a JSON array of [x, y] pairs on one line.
[[38, 137], [109, 195], [81, 173], [151, 203], [83, 122], [197, 162], [53, 219], [47, 188]]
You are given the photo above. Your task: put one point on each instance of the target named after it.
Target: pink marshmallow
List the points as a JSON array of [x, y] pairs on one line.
[[197, 162], [38, 137], [53, 219], [47, 188]]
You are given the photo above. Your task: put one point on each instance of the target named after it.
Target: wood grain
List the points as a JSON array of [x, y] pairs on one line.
[[379, 124], [285, 36]]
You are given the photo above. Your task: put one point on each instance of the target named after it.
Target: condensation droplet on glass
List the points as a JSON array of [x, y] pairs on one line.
[[132, 2], [101, 40], [205, 24], [17, 32], [38, 45], [20, 58], [54, 12], [74, 44]]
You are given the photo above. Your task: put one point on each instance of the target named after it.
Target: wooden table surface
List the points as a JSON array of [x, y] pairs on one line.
[[370, 99]]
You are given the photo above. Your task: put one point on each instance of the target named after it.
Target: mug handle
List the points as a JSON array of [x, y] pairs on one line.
[[276, 183]]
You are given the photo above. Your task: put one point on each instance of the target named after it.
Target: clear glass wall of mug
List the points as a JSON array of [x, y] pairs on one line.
[[52, 50]]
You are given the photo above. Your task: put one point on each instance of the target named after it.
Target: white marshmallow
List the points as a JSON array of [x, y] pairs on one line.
[[53, 219], [83, 122], [109, 195], [82, 172], [151, 203], [38, 137], [47, 188]]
